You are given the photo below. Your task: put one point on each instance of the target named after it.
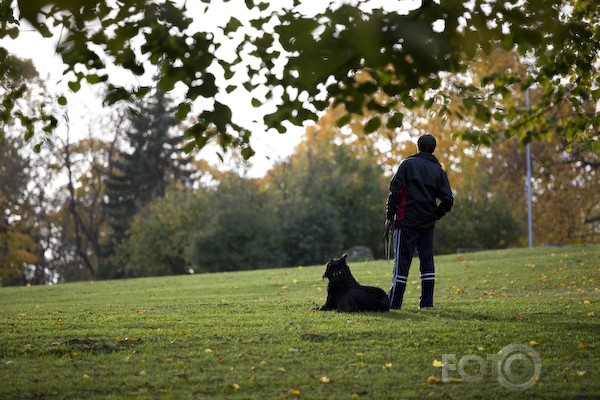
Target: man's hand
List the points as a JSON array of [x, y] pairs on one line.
[[389, 223]]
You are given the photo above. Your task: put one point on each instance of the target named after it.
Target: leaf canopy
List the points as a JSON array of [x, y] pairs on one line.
[[320, 57]]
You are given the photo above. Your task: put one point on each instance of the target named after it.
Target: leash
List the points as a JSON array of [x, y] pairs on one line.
[[387, 243]]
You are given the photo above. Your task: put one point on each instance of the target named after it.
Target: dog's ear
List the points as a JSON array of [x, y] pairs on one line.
[[345, 256]]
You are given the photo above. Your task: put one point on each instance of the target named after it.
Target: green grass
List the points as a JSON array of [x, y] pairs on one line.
[[251, 334]]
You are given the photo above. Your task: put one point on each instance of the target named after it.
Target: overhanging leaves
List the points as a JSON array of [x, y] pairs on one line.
[[405, 56]]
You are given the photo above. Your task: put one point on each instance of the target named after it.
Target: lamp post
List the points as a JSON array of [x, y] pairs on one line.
[[529, 211]]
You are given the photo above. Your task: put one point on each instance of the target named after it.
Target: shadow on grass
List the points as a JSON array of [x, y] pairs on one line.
[[545, 319]]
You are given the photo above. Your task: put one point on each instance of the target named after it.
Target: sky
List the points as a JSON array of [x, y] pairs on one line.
[[85, 107]]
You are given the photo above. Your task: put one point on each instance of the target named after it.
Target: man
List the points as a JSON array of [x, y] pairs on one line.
[[413, 209]]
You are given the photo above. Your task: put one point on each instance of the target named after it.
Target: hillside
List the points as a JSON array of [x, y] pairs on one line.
[[252, 334]]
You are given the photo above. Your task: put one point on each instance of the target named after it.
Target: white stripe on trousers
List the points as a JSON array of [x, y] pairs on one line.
[[430, 276], [396, 278]]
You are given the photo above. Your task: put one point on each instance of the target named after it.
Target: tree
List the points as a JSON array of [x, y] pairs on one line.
[[308, 62], [19, 89], [22, 95], [86, 164], [566, 200], [325, 175], [161, 233], [480, 219], [312, 233], [142, 172], [242, 231], [17, 246]]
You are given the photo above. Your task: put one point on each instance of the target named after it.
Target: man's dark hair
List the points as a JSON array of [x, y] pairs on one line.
[[426, 143]]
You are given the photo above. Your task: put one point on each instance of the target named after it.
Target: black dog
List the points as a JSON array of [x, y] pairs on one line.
[[344, 293]]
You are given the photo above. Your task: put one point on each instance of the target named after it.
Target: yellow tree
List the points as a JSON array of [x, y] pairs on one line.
[[17, 247], [565, 182]]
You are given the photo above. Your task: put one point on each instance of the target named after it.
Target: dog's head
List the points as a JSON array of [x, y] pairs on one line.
[[336, 267]]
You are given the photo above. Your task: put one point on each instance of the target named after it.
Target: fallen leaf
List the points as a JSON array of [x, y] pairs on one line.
[[453, 380], [582, 345], [86, 376], [591, 314], [437, 364], [586, 302], [533, 343], [208, 351], [234, 386], [580, 373], [432, 379], [294, 392], [325, 379], [281, 369], [388, 365]]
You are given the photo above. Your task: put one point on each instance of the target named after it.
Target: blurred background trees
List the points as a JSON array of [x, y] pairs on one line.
[[129, 202]]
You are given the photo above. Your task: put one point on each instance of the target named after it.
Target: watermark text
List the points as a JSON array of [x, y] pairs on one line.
[[516, 366]]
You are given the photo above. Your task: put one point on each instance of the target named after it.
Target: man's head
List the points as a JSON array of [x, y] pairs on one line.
[[426, 143]]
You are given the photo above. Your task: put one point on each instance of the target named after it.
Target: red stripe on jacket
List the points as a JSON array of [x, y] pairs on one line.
[[401, 210]]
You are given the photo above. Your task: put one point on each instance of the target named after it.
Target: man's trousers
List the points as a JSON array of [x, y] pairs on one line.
[[405, 243]]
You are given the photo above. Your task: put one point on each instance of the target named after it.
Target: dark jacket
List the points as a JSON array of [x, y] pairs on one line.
[[414, 193]]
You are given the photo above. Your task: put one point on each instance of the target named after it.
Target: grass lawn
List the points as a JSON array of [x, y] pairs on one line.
[[252, 334]]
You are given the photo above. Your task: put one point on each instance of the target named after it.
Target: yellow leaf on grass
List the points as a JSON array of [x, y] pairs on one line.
[[294, 392], [582, 345], [325, 379], [388, 365], [432, 379], [533, 343], [437, 364], [234, 386], [281, 369], [208, 351], [580, 373], [458, 291], [591, 314], [586, 302]]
